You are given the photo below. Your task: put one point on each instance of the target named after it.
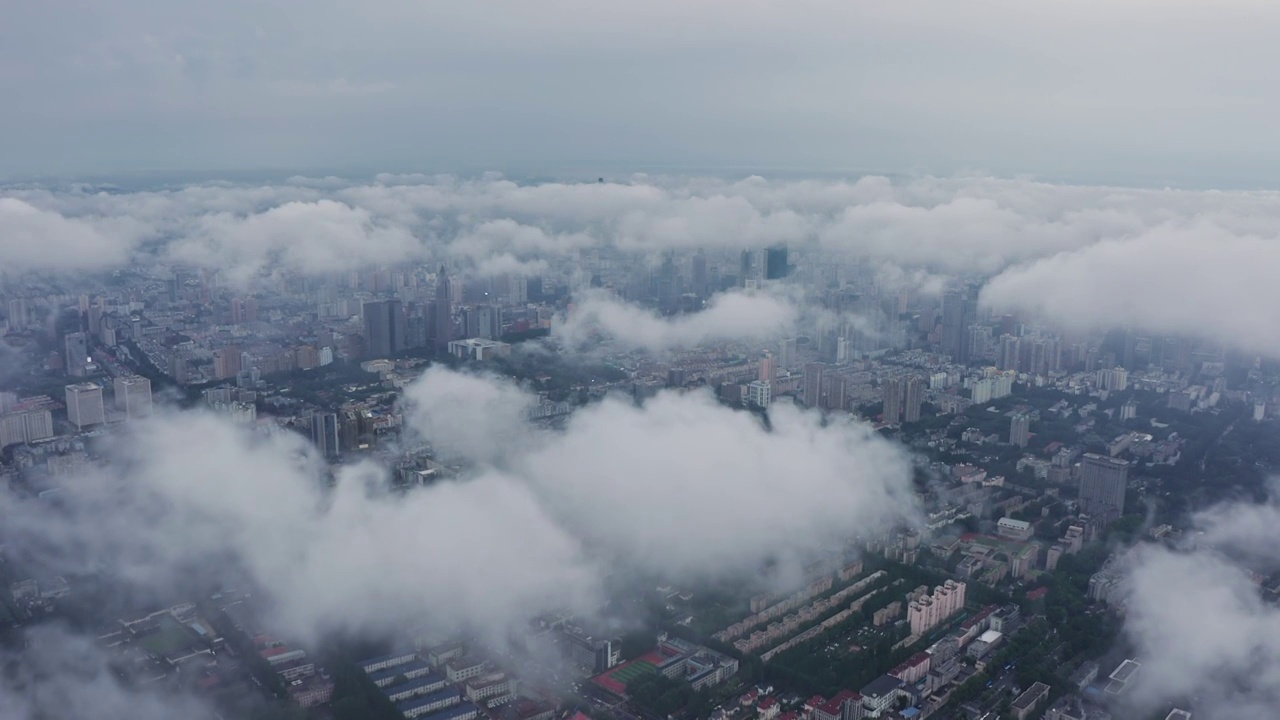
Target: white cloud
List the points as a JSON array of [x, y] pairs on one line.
[[35, 239], [684, 485], [732, 317], [1199, 281]]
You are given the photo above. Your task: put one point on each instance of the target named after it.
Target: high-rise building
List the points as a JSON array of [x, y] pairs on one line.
[[775, 263], [914, 399], [700, 285], [384, 328], [1102, 485], [1019, 429], [768, 371], [84, 405], [1008, 359], [787, 353], [226, 362], [133, 396], [953, 324], [324, 433], [1113, 379], [77, 357], [759, 393], [979, 342], [443, 325], [893, 391], [19, 316], [813, 383]]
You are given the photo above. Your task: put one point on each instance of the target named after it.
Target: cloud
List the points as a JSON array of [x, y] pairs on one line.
[[312, 238], [60, 674], [1202, 632], [481, 555], [1199, 281], [36, 239], [1226, 660], [684, 486], [476, 417], [680, 487], [729, 317]]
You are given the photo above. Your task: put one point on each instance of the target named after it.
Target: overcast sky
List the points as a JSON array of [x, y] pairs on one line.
[[1147, 91]]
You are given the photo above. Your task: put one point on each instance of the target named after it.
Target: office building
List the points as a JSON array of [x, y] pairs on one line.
[[384, 328], [324, 433], [1019, 429], [1103, 481], [84, 405], [775, 263], [25, 425], [700, 285], [133, 396], [77, 354]]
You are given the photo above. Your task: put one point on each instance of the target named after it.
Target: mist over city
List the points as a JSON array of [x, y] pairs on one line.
[[645, 361]]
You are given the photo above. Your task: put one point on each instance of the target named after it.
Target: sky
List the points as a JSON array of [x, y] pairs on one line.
[[1131, 91]]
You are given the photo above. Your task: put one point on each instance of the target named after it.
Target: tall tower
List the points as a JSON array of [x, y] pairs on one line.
[[1019, 429], [914, 399], [77, 344], [1102, 484], [893, 392], [324, 433], [444, 314], [700, 284], [813, 383], [384, 328]]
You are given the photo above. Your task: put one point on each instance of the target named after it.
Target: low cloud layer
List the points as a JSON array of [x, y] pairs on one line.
[[62, 674], [1197, 618], [1165, 261], [735, 316], [681, 487]]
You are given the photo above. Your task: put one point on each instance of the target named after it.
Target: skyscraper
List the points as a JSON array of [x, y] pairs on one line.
[[444, 314], [1102, 484], [768, 370], [787, 351], [77, 346], [775, 263], [700, 284], [226, 362], [133, 396], [384, 328], [813, 383], [84, 405], [324, 433], [893, 392], [1019, 429], [953, 324], [914, 399]]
